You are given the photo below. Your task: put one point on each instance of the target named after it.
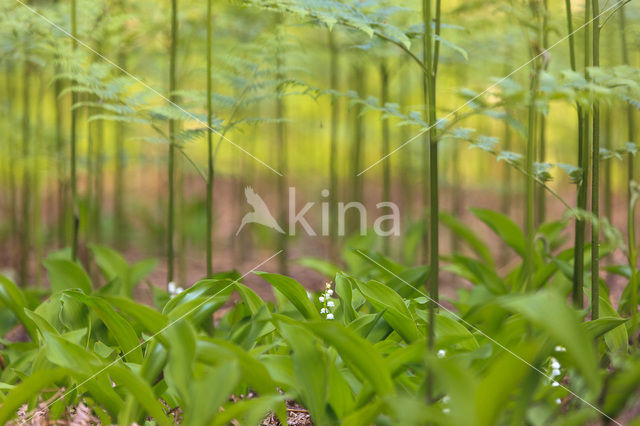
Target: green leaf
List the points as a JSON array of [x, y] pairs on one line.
[[150, 319], [29, 388], [395, 312], [343, 290], [121, 330], [360, 355], [65, 275], [617, 339], [504, 227], [209, 390], [309, 368], [141, 391], [549, 312], [88, 367], [467, 234], [250, 298], [603, 325], [294, 292], [327, 269], [13, 298]]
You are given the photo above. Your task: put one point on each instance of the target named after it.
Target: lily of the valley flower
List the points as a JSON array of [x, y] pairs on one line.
[[325, 299]]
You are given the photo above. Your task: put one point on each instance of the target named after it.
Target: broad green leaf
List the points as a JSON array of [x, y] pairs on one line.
[[360, 355], [343, 290], [141, 392], [213, 350], [91, 373], [121, 330], [65, 275], [395, 312], [617, 338], [603, 325], [450, 333], [505, 373], [150, 319], [250, 298], [29, 388], [209, 390], [14, 299], [467, 234], [204, 288], [182, 355], [294, 292], [504, 227], [553, 316], [310, 369], [250, 411], [327, 269]]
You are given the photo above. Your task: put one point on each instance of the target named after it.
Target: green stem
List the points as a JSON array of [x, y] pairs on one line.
[[631, 235], [282, 151], [209, 145], [595, 178], [431, 64], [530, 152], [333, 150], [74, 117], [542, 152], [26, 176], [386, 170], [121, 230], [172, 125]]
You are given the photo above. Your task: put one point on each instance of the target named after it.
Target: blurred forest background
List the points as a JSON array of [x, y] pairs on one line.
[[313, 100]]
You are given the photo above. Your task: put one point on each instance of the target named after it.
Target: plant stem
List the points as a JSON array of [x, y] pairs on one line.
[[530, 150], [542, 152], [631, 235], [578, 259], [60, 168], [120, 224], [431, 65], [595, 177], [172, 88], [282, 151], [386, 170], [209, 208], [333, 149], [26, 175], [74, 116]]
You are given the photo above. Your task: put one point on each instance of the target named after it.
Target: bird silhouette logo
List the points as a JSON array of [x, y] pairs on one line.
[[260, 213]]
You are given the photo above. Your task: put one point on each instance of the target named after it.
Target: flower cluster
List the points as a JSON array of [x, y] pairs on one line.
[[325, 299], [173, 289], [555, 372]]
